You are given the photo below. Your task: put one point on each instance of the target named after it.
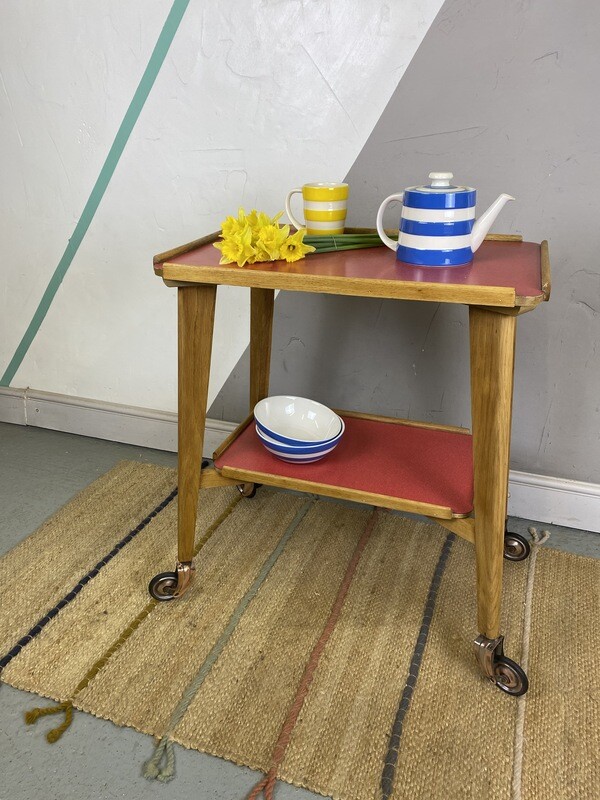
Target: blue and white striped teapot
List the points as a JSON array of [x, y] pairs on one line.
[[437, 226]]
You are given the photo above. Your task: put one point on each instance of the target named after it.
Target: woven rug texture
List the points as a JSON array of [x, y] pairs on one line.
[[371, 613]]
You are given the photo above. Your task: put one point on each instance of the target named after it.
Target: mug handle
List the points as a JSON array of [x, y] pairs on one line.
[[288, 210], [382, 234]]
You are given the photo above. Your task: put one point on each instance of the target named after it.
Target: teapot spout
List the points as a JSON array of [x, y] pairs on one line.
[[486, 220]]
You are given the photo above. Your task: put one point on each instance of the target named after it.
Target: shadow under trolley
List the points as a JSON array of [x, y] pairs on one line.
[[456, 477]]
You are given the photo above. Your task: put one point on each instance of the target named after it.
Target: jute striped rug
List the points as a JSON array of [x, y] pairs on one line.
[[327, 646]]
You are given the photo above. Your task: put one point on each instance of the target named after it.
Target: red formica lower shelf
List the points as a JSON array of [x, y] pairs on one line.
[[422, 465]]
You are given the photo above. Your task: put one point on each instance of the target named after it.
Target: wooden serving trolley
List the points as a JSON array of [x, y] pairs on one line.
[[456, 478]]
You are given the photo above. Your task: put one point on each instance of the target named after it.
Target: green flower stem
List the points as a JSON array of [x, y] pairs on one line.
[[343, 241], [346, 247]]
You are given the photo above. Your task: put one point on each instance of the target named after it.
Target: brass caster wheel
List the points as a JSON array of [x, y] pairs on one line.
[[162, 586], [499, 669], [248, 490], [509, 676], [516, 547]]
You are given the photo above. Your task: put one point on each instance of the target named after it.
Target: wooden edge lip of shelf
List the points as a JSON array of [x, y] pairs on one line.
[[233, 436], [185, 248], [501, 296], [524, 303], [504, 237], [546, 278], [341, 493], [399, 421]]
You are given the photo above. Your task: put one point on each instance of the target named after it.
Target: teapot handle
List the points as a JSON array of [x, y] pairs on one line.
[[382, 234]]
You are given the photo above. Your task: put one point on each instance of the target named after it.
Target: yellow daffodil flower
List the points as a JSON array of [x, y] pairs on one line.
[[294, 248], [271, 238], [259, 220], [256, 237], [237, 247], [232, 225], [259, 255]]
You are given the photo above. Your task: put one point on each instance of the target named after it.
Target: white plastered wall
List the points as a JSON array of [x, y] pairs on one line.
[[253, 98]]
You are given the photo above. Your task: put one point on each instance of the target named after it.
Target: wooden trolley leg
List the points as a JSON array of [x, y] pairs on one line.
[[492, 370], [261, 334], [196, 310], [492, 363]]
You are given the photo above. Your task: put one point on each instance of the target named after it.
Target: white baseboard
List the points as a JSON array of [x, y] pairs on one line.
[[558, 501], [12, 406], [118, 423]]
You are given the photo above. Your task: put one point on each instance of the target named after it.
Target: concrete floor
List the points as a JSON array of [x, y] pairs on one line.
[[40, 471]]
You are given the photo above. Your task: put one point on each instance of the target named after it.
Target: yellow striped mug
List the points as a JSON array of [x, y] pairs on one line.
[[325, 206]]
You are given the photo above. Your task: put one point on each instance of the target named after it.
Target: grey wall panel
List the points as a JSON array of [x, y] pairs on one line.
[[397, 358], [503, 95]]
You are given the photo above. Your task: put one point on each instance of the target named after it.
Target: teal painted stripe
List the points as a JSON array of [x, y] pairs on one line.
[[163, 751], [112, 159]]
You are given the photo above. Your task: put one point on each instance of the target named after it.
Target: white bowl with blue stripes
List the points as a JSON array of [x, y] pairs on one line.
[[296, 421], [299, 454]]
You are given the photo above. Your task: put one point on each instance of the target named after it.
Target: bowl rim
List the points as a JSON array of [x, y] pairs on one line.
[[288, 439]]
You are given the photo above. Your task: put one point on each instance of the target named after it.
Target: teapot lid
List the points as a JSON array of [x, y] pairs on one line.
[[440, 182], [440, 193]]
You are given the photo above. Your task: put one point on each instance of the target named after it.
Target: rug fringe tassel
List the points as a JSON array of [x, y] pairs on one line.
[[163, 752], [31, 717], [538, 538], [266, 786]]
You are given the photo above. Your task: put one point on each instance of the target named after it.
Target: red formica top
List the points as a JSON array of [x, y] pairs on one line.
[[419, 464], [516, 266]]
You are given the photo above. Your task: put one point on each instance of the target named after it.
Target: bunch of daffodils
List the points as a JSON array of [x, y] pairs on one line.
[[256, 237]]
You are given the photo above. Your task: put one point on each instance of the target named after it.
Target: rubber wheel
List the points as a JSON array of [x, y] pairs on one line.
[[162, 586], [516, 547], [248, 493], [510, 677]]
